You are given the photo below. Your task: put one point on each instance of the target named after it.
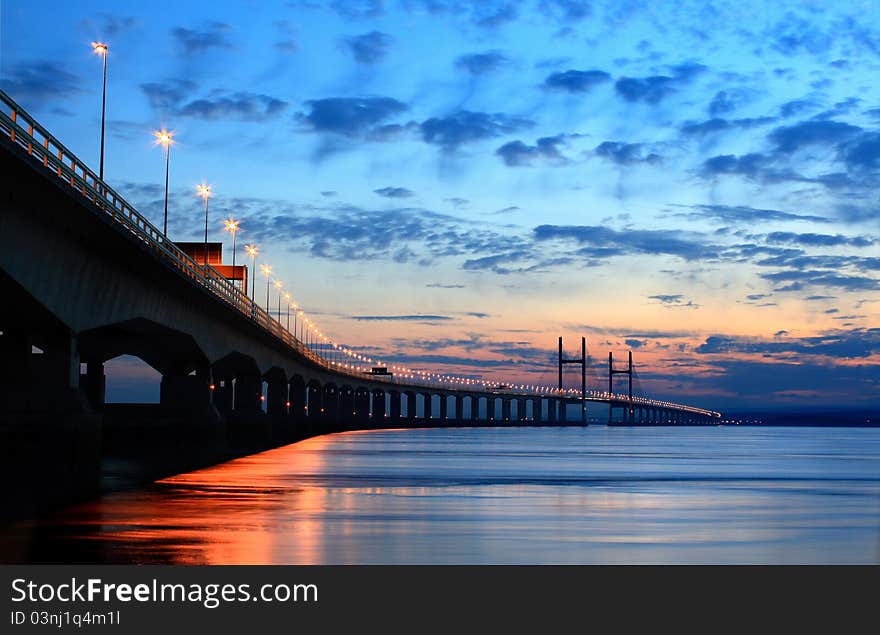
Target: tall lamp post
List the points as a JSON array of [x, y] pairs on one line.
[[252, 251], [101, 49], [231, 225], [278, 285], [287, 297], [205, 192], [266, 271], [164, 138]]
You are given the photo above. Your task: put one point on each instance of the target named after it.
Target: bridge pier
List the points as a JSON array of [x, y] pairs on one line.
[[551, 410], [379, 414], [505, 410], [276, 394], [361, 416], [395, 405], [521, 411], [297, 396], [428, 407], [330, 408], [347, 407], [94, 384], [411, 405], [444, 408], [537, 414], [248, 393], [475, 408], [459, 408], [563, 412]]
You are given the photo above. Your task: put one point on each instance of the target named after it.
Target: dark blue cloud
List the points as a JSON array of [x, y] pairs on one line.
[[165, 97], [797, 280], [791, 138], [629, 241], [241, 106], [572, 81], [565, 11], [796, 107], [863, 152], [400, 318], [635, 343], [368, 48], [516, 153], [491, 14], [654, 89], [192, 42], [39, 84], [818, 240], [350, 116], [394, 192], [358, 9], [726, 101], [108, 26], [626, 153], [465, 126], [710, 126], [481, 63], [856, 343], [747, 215]]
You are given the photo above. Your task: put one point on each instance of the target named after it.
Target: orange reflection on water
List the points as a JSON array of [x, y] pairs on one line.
[[222, 514]]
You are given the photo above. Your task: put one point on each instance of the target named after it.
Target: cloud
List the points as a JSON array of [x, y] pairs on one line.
[[242, 106], [193, 42], [107, 26], [668, 242], [653, 89], [481, 63], [676, 301], [165, 97], [856, 343], [798, 280], [491, 14], [350, 116], [368, 48], [400, 318], [358, 9], [394, 192], [818, 240], [635, 343], [517, 154], [667, 299], [711, 126], [737, 215], [573, 81], [863, 152], [465, 126], [565, 11], [626, 153], [39, 84], [438, 285], [788, 139], [726, 101]]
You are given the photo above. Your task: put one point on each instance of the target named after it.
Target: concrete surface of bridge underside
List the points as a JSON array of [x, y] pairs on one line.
[[78, 290]]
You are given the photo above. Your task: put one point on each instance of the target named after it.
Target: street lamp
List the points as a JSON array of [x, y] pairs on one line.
[[287, 297], [164, 138], [278, 285], [205, 192], [101, 49], [231, 225], [252, 251], [266, 271]]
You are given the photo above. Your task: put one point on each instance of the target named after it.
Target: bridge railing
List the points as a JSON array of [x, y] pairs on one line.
[[27, 133]]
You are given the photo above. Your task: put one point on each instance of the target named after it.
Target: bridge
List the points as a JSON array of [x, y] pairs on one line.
[[85, 277]]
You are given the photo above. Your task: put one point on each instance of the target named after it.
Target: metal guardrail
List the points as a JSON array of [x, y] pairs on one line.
[[37, 142]]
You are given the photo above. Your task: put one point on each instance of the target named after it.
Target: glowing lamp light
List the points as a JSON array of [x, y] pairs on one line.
[[164, 137], [99, 48], [252, 250], [204, 191]]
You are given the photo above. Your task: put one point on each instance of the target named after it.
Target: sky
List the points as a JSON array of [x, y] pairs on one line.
[[452, 185]]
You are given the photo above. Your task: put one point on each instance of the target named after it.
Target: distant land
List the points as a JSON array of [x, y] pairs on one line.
[[838, 418]]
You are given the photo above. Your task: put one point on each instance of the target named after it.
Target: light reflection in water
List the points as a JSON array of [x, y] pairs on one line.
[[515, 495]]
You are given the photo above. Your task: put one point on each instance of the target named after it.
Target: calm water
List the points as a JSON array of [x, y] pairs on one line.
[[514, 495]]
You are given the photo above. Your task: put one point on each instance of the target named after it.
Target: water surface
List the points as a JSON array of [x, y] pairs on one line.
[[498, 495]]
